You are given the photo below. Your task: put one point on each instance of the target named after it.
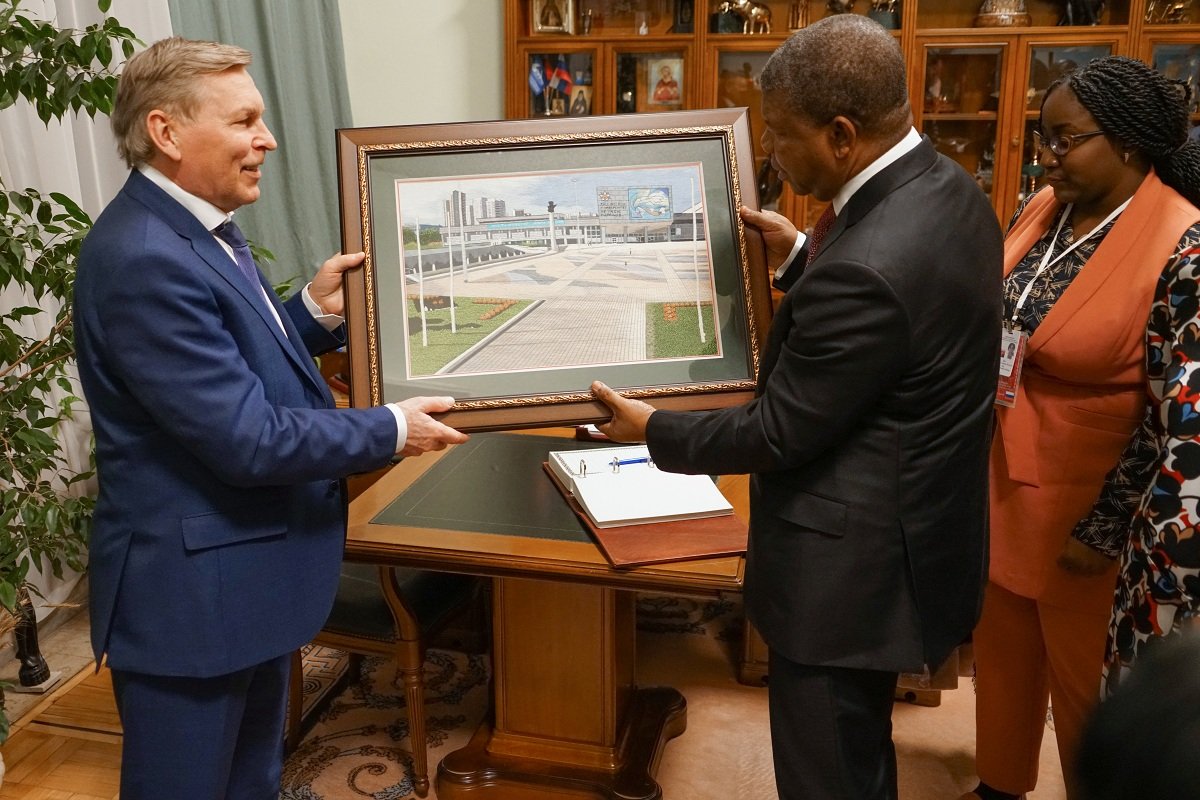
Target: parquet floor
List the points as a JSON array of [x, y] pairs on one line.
[[69, 747]]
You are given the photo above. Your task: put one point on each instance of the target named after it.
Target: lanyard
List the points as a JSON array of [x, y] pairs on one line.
[[1046, 262]]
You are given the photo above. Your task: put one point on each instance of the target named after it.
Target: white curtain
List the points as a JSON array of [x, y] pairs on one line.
[[78, 158]]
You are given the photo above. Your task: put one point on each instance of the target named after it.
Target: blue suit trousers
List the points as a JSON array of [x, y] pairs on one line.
[[165, 756]]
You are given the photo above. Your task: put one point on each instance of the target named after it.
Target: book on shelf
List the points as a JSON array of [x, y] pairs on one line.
[[621, 486]]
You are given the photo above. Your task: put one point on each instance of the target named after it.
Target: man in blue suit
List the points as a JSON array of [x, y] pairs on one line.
[[220, 521]]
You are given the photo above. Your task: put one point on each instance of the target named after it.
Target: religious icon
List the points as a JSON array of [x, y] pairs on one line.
[[683, 17], [581, 101], [553, 16], [550, 17], [667, 88], [665, 74]]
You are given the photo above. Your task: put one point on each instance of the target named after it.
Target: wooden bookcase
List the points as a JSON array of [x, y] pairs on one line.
[[975, 89]]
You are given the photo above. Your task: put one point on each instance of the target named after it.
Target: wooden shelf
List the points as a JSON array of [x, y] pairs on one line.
[[991, 91]]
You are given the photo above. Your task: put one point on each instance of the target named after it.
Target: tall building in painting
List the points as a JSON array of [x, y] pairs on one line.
[[490, 208], [458, 210]]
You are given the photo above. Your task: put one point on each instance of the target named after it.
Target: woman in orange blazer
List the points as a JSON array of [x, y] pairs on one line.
[[1083, 260]]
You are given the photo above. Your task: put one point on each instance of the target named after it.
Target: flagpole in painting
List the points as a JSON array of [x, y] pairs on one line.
[[450, 256], [462, 244], [695, 265], [421, 282]]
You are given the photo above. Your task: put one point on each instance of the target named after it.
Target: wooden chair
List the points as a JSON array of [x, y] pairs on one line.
[[389, 611]]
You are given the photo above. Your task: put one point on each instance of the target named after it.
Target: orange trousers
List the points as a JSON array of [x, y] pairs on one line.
[[1028, 653]]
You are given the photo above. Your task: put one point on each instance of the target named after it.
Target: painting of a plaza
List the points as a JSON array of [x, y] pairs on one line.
[[532, 271]]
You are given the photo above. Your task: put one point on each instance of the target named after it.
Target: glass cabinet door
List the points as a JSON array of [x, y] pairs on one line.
[[737, 86], [560, 83], [1181, 62], [635, 17], [1047, 63], [650, 80], [960, 105]]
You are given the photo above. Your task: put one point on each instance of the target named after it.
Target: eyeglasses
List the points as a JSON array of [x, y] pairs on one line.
[[1061, 144]]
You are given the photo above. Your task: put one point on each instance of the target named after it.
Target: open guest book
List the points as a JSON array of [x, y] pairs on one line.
[[639, 514], [621, 486]]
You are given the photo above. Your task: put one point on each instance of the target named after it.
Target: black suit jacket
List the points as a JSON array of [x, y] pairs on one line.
[[868, 439]]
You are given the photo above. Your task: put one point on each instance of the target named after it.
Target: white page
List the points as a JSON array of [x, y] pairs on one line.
[[641, 494]]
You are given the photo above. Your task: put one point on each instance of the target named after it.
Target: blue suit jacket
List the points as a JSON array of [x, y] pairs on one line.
[[220, 521]]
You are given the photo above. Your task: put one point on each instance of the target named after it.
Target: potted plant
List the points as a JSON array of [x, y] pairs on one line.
[[44, 522]]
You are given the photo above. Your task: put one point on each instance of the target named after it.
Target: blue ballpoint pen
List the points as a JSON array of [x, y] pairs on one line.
[[617, 463]]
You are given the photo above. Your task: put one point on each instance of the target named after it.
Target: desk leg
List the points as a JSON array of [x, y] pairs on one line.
[[755, 655], [569, 720]]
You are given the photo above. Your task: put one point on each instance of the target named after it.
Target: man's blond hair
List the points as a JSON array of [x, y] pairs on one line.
[[165, 76]]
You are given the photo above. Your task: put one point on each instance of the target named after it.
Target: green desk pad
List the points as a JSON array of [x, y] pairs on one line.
[[494, 483]]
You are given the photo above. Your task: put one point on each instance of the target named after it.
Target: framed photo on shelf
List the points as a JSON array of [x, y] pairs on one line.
[[510, 264], [581, 101], [664, 79], [552, 16]]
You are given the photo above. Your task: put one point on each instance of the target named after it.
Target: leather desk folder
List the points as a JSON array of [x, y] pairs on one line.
[[660, 542], [496, 483]]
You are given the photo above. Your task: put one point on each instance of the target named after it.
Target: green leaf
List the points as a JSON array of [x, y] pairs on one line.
[[104, 51], [103, 5], [8, 596], [71, 207]]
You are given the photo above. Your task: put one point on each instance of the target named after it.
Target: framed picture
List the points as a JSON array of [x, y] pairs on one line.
[[684, 17], [664, 81], [581, 101], [552, 16], [510, 264]]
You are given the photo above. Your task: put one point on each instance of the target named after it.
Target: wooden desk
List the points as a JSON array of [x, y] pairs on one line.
[[568, 717]]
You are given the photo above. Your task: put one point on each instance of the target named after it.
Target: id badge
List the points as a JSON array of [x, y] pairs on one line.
[[1012, 353]]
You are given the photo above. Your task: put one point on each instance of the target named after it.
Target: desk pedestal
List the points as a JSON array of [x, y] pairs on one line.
[[569, 720]]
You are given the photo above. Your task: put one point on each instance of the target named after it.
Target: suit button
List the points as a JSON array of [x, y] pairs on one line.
[[333, 489]]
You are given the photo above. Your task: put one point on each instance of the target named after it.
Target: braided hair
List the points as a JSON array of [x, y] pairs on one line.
[[1144, 110]]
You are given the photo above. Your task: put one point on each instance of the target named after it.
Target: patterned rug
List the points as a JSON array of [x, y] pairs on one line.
[[359, 746]]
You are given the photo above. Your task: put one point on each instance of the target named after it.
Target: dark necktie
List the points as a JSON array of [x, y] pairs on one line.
[[229, 233], [824, 223]]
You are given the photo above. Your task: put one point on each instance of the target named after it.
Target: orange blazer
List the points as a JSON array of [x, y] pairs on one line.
[[1082, 394]]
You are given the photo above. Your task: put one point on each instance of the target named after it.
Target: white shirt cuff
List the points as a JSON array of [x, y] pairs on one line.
[[329, 322], [796, 248], [401, 426]]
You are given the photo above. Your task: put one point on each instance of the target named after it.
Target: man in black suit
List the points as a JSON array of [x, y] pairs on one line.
[[867, 441]]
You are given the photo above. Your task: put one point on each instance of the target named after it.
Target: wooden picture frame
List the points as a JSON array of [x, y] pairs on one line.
[[641, 273]]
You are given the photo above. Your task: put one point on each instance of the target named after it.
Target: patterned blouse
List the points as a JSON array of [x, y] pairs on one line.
[[1106, 528]]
